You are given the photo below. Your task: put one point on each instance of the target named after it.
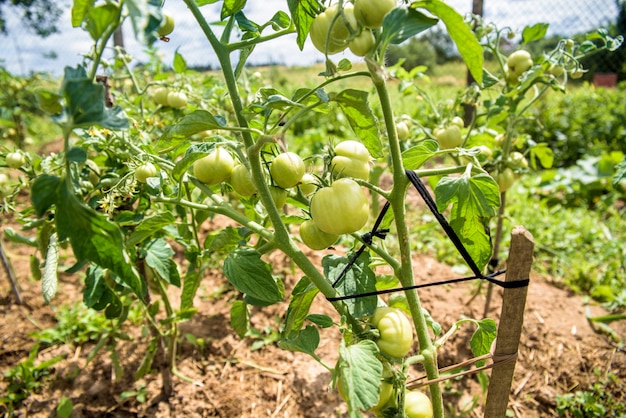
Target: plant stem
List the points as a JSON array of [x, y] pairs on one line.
[[397, 200]]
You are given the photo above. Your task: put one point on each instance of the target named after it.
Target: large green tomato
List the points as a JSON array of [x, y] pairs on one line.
[[351, 160], [159, 95], [363, 43], [145, 171], [417, 405], [517, 64], [329, 34], [15, 159], [315, 238], [177, 99], [396, 332], [449, 137], [287, 169], [215, 167], [167, 25], [241, 180], [342, 208], [371, 12]]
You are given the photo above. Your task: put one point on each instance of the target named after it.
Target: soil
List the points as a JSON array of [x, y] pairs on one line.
[[558, 352]]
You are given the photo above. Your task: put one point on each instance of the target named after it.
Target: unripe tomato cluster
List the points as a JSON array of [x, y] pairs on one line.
[[165, 97], [15, 159], [450, 136], [517, 64], [334, 30]]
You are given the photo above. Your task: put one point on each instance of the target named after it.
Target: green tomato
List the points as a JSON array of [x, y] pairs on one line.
[[449, 137], [517, 64], [505, 179], [279, 196], [315, 238], [351, 160], [330, 35], [215, 167], [517, 160], [403, 130], [145, 171], [353, 150], [458, 121], [15, 159], [385, 389], [371, 12], [577, 73], [287, 169], [556, 70], [94, 172], [396, 332], [241, 180], [417, 405], [159, 95], [167, 25], [177, 99], [342, 208], [308, 184], [363, 43]]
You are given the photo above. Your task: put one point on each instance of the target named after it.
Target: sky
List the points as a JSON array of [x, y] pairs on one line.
[[22, 52]]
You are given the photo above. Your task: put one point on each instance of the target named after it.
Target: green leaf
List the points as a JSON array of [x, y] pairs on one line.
[[355, 105], [49, 102], [180, 65], [222, 241], [103, 18], [240, 318], [11, 234], [245, 270], [192, 154], [535, 32], [191, 283], [320, 320], [483, 338], [302, 13], [461, 34], [150, 226], [80, 8], [358, 279], [475, 200], [197, 121], [148, 358], [145, 17], [95, 239], [415, 157], [65, 407], [401, 24], [360, 371], [230, 7], [44, 192], [97, 294], [159, 256], [542, 153], [302, 298], [49, 281], [304, 341]]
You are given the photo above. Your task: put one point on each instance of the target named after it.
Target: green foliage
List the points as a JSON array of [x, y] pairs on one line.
[[603, 398]]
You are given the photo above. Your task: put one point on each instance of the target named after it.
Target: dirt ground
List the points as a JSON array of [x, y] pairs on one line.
[[558, 353]]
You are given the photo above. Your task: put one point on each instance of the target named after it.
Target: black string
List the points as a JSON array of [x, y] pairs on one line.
[[491, 278], [382, 233]]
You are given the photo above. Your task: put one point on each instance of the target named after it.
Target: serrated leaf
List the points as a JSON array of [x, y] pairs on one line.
[[402, 23], [360, 371], [191, 283], [305, 341], [197, 121], [245, 270], [474, 201], [240, 318], [94, 238], [461, 34], [49, 279], [355, 105], [535, 32], [223, 241], [302, 298], [416, 156], [159, 256], [483, 338], [358, 279], [302, 13], [149, 226]]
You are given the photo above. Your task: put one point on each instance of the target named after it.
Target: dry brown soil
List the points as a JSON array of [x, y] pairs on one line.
[[558, 353]]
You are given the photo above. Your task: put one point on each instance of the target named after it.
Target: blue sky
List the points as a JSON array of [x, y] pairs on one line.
[[22, 52]]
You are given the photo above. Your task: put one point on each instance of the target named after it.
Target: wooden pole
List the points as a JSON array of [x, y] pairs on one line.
[[11, 276], [511, 321]]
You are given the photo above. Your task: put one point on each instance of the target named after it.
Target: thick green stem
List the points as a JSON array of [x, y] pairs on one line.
[[397, 200]]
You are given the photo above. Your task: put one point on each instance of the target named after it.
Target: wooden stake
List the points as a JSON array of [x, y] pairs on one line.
[[511, 321], [9, 270]]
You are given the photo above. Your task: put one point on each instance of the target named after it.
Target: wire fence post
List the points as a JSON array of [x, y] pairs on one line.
[[511, 321]]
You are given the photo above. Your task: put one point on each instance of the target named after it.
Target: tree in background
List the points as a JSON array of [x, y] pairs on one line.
[[38, 15]]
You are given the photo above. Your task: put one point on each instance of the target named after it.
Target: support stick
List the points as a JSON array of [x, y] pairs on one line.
[[7, 267], [511, 321]]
